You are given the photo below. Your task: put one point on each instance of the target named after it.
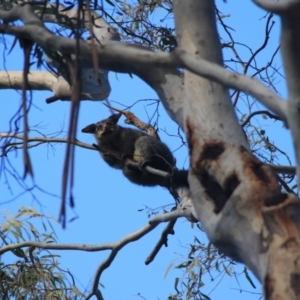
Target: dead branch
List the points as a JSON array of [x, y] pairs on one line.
[[259, 112], [162, 241], [131, 119], [40, 140], [288, 170]]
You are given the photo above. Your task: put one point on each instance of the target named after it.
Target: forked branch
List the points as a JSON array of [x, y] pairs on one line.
[[115, 247]]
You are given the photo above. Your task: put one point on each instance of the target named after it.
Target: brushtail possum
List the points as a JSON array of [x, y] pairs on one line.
[[116, 143]]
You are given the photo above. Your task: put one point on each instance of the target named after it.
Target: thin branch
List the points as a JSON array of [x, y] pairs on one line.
[[278, 7], [115, 247], [88, 248], [233, 80], [289, 170], [256, 52], [125, 57], [162, 241], [133, 120], [149, 169], [42, 140], [259, 112], [285, 185], [75, 142], [119, 245]]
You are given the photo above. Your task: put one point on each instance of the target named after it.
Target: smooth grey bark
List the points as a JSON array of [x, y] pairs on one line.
[[235, 196], [93, 87]]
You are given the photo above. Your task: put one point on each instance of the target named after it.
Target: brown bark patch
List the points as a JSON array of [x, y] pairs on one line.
[[189, 135], [213, 190], [276, 199], [256, 167], [259, 172], [231, 184], [218, 193], [212, 150], [290, 244], [268, 287], [295, 283]]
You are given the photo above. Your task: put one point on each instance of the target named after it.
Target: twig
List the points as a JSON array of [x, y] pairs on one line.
[[41, 140], [149, 169], [233, 80], [290, 170], [76, 142], [118, 246], [259, 112], [109, 246], [133, 120], [162, 241], [286, 187]]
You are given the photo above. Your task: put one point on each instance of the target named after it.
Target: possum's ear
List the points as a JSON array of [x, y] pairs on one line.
[[115, 118], [89, 129]]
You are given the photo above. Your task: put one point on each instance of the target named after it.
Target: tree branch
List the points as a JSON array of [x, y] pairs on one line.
[[259, 112], [122, 57], [38, 80], [233, 80], [289, 170], [135, 121], [237, 198], [289, 12], [115, 247], [277, 7], [41, 140], [162, 241], [95, 84], [166, 217]]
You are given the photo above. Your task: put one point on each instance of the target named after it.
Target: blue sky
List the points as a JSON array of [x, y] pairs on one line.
[[106, 203]]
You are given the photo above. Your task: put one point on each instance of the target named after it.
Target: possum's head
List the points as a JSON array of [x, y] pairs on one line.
[[104, 129]]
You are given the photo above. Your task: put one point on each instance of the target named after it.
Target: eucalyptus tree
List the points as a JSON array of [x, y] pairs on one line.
[[248, 211]]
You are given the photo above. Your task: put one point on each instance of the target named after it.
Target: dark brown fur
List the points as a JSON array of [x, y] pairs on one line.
[[116, 143]]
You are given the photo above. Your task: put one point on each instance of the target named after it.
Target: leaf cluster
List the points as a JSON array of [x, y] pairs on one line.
[[32, 273]]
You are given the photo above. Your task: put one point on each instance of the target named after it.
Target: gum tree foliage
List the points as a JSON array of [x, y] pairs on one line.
[[222, 103]]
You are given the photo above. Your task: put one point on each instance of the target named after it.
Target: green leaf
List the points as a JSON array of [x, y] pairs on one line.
[[183, 264], [227, 270], [196, 240], [176, 284], [110, 3], [248, 277], [168, 270]]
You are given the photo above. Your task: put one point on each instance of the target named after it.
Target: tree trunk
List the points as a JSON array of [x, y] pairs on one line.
[[236, 197]]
